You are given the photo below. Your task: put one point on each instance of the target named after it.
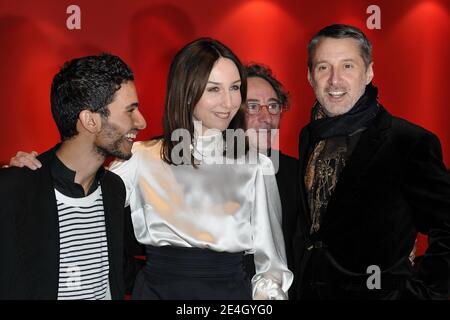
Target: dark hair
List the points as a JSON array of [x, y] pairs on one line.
[[188, 76], [86, 83], [341, 31], [256, 70]]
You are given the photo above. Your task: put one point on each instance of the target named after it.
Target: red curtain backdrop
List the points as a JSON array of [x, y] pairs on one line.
[[411, 54]]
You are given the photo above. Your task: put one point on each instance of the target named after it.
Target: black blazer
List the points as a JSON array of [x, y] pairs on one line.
[[287, 186], [29, 232], [394, 185]]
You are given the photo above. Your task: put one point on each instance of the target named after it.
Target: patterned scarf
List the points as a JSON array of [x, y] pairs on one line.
[[334, 139]]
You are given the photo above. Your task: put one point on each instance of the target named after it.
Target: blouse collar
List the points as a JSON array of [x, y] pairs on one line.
[[209, 146]]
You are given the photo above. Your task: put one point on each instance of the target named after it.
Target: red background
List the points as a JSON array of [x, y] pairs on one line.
[[411, 54]]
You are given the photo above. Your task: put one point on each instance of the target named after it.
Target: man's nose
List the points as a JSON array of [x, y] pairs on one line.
[[264, 114], [139, 120], [334, 76]]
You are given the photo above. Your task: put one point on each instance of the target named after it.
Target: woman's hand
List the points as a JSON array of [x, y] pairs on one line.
[[24, 159]]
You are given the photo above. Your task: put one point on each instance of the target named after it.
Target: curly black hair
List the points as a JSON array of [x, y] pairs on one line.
[[86, 83], [261, 71]]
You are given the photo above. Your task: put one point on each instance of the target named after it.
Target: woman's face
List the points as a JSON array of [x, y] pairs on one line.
[[222, 97]]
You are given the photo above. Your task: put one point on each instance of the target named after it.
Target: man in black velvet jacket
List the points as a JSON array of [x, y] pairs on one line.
[[62, 227], [368, 183]]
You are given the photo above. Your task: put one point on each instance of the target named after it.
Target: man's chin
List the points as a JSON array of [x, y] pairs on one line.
[[263, 147], [121, 155], [335, 111], [115, 153]]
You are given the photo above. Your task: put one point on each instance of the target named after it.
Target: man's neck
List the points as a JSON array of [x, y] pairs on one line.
[[82, 158]]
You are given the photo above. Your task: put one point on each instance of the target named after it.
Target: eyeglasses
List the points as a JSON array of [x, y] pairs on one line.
[[272, 107]]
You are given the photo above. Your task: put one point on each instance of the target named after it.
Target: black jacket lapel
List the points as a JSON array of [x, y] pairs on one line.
[[304, 152], [40, 237], [368, 145], [114, 217]]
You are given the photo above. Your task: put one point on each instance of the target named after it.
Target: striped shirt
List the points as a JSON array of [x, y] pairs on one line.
[[83, 257]]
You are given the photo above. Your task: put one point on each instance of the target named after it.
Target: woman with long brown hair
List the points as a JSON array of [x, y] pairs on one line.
[[195, 214]]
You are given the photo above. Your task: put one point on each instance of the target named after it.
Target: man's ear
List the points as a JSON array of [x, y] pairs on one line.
[[369, 73], [310, 80], [90, 121]]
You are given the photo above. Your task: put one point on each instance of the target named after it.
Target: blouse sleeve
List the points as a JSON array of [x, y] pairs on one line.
[[126, 169], [272, 279]]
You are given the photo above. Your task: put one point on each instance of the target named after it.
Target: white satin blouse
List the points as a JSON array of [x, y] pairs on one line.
[[222, 207]]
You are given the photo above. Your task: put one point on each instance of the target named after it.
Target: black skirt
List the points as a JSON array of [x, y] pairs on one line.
[[177, 273]]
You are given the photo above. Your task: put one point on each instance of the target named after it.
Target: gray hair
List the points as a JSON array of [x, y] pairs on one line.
[[341, 31]]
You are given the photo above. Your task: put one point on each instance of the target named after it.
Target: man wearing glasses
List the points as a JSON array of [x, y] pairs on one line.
[[267, 101]]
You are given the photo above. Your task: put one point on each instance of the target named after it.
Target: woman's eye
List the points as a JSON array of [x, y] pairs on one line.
[[235, 87], [213, 89]]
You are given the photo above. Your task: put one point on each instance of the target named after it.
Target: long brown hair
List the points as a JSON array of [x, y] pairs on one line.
[[188, 76]]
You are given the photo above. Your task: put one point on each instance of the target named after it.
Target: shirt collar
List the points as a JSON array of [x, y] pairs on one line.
[[64, 179]]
